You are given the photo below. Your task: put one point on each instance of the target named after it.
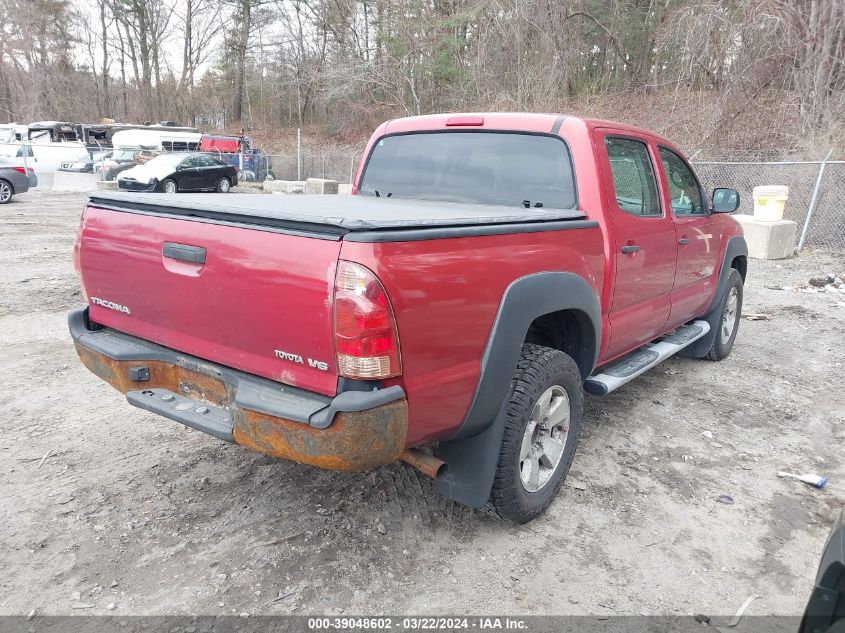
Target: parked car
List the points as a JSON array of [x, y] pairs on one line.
[[490, 269], [118, 161], [85, 165], [825, 611], [172, 173], [15, 179], [237, 150]]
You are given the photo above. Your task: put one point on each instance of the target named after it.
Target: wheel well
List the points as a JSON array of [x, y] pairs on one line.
[[569, 331], [741, 264]]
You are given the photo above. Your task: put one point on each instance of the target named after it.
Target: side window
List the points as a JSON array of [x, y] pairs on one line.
[[189, 163], [633, 177], [207, 161], [683, 187]]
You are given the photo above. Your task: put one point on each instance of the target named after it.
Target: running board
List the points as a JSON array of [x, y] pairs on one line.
[[639, 361]]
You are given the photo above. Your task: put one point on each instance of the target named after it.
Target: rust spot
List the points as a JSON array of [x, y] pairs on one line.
[[428, 465], [163, 375], [355, 440]]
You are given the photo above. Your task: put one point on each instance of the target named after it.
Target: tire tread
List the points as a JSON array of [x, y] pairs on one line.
[[535, 366]]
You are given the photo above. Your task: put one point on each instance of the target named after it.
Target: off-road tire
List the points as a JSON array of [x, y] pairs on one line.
[[538, 369], [722, 346], [223, 185]]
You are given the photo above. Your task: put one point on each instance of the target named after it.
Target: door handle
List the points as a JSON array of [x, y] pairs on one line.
[[184, 252], [630, 248], [683, 241]]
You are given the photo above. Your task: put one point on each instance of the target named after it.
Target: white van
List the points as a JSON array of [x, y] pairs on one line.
[[160, 139]]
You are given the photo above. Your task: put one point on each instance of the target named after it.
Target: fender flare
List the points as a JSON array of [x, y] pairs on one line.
[[736, 247], [473, 451]]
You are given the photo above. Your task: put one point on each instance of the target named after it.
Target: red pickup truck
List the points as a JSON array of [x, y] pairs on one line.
[[489, 270]]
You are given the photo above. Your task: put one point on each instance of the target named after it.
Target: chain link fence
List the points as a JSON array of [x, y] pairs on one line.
[[815, 187], [340, 167]]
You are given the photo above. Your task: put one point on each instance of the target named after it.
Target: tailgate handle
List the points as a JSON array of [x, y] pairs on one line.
[[184, 252]]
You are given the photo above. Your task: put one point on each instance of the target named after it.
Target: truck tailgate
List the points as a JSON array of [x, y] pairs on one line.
[[261, 301]]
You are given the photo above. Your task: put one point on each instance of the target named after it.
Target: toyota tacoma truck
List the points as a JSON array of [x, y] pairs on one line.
[[488, 270]]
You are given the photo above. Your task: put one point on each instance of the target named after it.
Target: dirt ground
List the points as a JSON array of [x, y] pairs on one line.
[[130, 513]]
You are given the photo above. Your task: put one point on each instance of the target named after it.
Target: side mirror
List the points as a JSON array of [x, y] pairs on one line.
[[725, 200]]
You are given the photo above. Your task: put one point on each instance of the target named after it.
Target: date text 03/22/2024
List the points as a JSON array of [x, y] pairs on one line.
[[418, 624]]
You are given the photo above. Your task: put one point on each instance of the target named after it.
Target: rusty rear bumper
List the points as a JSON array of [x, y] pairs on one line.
[[353, 431]]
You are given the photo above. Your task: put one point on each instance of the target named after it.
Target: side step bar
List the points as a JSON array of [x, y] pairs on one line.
[[639, 361]]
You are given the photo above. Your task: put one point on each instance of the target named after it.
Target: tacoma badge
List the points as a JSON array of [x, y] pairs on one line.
[[111, 305]]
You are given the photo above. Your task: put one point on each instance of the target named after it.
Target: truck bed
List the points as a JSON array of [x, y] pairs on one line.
[[332, 214]]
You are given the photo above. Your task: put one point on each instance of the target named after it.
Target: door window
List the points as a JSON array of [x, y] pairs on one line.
[[683, 186], [190, 163], [633, 177], [207, 161]]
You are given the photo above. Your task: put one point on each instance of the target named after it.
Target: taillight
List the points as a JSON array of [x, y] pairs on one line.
[[20, 170], [366, 341]]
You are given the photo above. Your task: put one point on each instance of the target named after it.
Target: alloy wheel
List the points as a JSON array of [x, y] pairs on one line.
[[545, 437], [729, 316]]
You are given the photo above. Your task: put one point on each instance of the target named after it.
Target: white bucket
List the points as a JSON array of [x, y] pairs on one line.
[[769, 202]]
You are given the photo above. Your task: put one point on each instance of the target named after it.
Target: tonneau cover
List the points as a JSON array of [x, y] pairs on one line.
[[340, 213]]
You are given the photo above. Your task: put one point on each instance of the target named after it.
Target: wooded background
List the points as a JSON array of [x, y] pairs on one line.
[[751, 78]]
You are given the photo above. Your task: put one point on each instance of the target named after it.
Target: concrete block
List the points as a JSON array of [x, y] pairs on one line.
[[768, 240], [248, 187], [71, 181], [286, 187], [107, 185], [344, 189], [45, 180], [320, 186]]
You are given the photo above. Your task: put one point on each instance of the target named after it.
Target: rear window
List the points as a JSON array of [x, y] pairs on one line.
[[509, 169]]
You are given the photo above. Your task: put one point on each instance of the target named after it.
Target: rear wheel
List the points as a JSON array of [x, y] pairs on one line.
[[729, 319], [541, 432], [5, 192], [223, 185], [169, 186]]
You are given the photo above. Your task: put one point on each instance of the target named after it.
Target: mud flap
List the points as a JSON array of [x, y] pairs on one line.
[[703, 345], [472, 464], [735, 247]]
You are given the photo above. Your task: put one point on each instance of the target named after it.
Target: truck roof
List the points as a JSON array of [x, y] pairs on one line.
[[522, 121]]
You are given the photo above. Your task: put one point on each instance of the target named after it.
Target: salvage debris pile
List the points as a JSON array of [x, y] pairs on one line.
[[825, 283]]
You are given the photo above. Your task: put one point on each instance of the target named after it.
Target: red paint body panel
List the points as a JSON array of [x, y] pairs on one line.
[[445, 295], [257, 292]]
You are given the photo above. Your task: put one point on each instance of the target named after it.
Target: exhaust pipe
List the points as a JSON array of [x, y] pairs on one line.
[[427, 464]]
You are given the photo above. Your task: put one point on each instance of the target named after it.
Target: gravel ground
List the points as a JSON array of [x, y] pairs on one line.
[[130, 513]]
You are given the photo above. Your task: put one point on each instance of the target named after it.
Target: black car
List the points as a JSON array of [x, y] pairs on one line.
[[172, 173]]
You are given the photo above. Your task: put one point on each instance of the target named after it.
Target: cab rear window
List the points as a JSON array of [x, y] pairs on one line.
[[510, 169]]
